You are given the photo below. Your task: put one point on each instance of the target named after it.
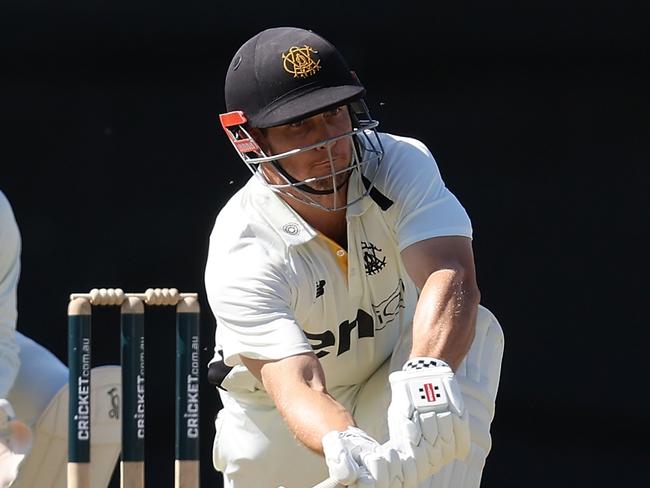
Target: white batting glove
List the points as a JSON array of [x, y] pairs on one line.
[[15, 443], [13, 433], [427, 420], [6, 415], [356, 459]]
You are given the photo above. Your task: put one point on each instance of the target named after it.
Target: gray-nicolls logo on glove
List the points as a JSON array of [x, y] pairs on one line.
[[427, 420]]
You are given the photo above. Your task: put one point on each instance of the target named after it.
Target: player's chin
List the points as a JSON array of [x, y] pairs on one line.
[[329, 185], [323, 189]]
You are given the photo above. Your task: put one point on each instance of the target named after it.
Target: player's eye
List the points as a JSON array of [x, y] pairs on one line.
[[297, 123], [334, 112]]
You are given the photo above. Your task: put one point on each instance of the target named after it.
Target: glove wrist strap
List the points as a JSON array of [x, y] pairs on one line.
[[423, 363]]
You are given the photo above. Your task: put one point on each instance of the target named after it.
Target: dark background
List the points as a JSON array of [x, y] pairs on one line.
[[537, 113]]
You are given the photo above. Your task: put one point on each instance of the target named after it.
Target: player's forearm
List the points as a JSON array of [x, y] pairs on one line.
[[297, 386], [310, 414], [443, 325]]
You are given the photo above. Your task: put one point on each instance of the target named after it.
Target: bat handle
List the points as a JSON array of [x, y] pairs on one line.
[[328, 483]]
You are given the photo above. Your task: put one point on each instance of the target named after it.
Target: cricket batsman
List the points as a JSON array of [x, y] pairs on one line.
[[350, 341]]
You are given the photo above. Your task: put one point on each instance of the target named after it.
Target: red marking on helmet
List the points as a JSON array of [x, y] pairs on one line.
[[246, 145], [232, 118]]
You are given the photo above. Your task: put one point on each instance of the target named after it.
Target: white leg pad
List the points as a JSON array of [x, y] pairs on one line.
[[478, 376], [46, 464]]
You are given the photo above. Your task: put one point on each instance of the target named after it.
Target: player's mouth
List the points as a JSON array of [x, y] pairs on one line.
[[328, 163], [324, 162]]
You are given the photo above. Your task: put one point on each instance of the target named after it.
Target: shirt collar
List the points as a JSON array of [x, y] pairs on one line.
[[289, 225], [356, 188]]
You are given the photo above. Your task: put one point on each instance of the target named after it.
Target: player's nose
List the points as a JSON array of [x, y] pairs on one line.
[[326, 131]]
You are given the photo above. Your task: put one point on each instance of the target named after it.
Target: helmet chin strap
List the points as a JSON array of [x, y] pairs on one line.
[[304, 186]]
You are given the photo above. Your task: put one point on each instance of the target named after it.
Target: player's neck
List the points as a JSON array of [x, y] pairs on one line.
[[334, 225]]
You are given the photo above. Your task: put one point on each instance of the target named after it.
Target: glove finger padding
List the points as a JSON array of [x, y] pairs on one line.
[[340, 462], [356, 459], [427, 420], [446, 437], [459, 417], [437, 452], [384, 467]]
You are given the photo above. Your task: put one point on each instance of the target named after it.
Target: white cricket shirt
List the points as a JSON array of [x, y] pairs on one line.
[[277, 287]]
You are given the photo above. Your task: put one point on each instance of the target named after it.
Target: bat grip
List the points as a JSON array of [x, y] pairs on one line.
[[328, 483]]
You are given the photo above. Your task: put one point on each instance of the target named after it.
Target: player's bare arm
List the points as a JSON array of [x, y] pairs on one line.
[[445, 316], [297, 386]]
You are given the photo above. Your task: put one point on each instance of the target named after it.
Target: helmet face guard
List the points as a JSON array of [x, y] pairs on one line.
[[366, 149]]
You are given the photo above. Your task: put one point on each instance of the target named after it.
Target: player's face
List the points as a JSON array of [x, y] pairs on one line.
[[316, 162]]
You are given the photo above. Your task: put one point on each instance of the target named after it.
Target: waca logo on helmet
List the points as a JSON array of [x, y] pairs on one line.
[[299, 62]]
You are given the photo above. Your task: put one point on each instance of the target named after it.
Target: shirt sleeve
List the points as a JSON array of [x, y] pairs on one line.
[[423, 206], [9, 275], [251, 299]]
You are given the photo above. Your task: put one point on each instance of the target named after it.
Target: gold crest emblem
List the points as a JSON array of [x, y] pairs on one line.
[[300, 62]]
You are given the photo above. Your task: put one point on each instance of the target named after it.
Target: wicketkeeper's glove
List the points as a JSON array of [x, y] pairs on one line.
[[356, 459], [427, 419]]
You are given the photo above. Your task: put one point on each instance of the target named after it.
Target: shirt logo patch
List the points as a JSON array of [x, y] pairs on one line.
[[320, 288], [291, 228], [372, 262]]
